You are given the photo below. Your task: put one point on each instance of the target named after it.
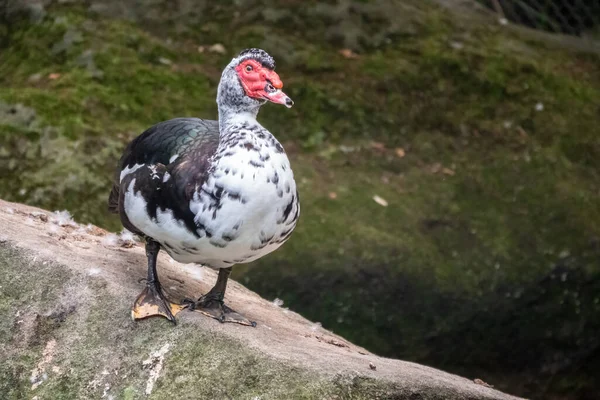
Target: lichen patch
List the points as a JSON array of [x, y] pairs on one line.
[[155, 364], [38, 375]]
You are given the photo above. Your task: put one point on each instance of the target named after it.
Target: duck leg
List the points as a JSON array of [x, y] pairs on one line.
[[153, 301], [212, 305]]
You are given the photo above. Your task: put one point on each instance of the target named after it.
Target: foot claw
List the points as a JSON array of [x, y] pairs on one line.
[[189, 304]]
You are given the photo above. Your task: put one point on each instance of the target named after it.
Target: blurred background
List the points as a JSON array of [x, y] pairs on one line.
[[447, 154]]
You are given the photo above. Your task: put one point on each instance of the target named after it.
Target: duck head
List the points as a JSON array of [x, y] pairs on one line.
[[249, 81]]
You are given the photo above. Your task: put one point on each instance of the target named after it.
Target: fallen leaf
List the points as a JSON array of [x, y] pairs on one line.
[[217, 48], [346, 149], [347, 53], [380, 200], [332, 195], [34, 78], [447, 171], [54, 75], [400, 152], [456, 45], [165, 61], [378, 146], [332, 341], [482, 383], [435, 168], [522, 132]]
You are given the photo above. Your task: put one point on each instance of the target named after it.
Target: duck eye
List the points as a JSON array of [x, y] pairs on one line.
[[270, 88], [248, 68]]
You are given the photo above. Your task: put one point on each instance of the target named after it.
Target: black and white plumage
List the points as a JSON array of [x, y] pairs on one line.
[[213, 193]]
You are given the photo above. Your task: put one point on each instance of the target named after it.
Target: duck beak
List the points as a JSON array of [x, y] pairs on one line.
[[279, 97], [275, 95]]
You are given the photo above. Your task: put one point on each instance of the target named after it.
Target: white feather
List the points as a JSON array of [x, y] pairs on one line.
[[251, 216], [129, 170]]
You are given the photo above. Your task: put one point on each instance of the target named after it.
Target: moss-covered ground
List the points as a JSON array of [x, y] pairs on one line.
[[486, 260]]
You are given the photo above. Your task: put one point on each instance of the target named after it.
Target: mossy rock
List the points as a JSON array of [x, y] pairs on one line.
[[66, 332]]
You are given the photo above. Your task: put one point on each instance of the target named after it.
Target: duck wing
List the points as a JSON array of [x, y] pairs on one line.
[[180, 147]]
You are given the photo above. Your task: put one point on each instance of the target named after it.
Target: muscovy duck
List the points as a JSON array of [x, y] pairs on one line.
[[208, 192]]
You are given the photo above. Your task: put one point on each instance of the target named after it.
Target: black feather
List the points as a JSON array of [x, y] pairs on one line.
[[259, 55], [193, 140]]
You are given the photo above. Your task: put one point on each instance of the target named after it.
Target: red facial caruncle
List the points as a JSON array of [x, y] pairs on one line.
[[260, 82]]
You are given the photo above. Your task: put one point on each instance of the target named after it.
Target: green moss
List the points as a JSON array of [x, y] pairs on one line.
[[21, 349], [519, 191]]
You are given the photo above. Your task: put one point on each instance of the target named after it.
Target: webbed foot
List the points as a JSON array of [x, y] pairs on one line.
[[213, 307], [153, 302]]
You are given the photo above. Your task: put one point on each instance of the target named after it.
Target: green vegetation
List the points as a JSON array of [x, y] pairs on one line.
[[486, 260]]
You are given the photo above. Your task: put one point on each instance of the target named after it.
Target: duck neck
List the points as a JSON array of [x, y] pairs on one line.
[[230, 116]]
